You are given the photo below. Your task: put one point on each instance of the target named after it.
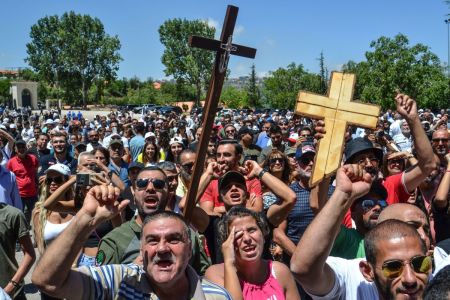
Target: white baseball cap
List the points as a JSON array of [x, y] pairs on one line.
[[60, 168], [48, 121], [176, 140], [149, 134]]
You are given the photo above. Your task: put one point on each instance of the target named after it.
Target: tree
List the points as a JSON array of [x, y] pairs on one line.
[[232, 97], [323, 74], [73, 51], [394, 65], [5, 84], [253, 94], [282, 86], [186, 64]]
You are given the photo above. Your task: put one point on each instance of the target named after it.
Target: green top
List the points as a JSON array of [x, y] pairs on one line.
[[122, 245], [349, 244], [13, 227]]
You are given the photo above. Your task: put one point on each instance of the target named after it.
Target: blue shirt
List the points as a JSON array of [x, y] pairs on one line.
[[136, 146], [121, 171], [9, 192], [263, 139]]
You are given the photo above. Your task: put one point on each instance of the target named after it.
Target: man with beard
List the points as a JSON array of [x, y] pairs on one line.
[[164, 245], [289, 232], [397, 266], [121, 245], [94, 138], [250, 150], [61, 155], [186, 165], [276, 137], [440, 140], [41, 145], [25, 167], [404, 140]]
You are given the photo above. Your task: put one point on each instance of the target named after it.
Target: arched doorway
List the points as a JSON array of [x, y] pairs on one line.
[[26, 98]]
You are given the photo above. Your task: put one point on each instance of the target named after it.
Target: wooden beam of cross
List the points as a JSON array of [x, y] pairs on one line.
[[224, 48], [338, 110]]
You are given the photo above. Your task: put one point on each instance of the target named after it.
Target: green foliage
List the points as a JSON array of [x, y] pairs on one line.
[[72, 51], [282, 86], [186, 64], [323, 74], [5, 85], [253, 93], [394, 65], [232, 97]]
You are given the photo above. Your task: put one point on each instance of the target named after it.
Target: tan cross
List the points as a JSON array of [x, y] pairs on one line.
[[338, 111]]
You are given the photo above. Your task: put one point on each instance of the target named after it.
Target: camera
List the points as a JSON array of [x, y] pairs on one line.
[[85, 179]]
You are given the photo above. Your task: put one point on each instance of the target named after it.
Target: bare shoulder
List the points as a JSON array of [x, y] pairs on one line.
[[281, 271], [215, 274]]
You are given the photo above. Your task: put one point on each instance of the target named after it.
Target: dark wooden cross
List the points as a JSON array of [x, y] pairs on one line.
[[224, 48]]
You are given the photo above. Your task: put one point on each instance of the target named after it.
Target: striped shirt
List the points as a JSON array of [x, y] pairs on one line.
[[129, 282]]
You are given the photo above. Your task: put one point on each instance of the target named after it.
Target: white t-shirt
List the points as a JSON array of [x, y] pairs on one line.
[[350, 284]]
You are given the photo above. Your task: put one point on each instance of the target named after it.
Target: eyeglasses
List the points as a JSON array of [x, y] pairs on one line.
[[437, 140], [188, 166], [368, 204], [394, 268], [275, 159], [142, 183], [362, 161], [172, 178], [230, 131], [306, 160], [57, 180]]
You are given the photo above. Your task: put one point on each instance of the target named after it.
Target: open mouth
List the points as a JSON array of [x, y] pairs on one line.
[[164, 264], [151, 201], [235, 197]]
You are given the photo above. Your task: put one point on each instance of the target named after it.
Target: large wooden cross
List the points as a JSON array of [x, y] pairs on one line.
[[224, 48], [338, 110]]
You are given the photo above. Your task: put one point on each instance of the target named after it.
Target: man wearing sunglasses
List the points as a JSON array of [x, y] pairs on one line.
[[165, 246], [121, 245], [250, 150], [441, 144], [396, 266]]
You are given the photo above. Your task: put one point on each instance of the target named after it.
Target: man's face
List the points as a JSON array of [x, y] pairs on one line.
[[42, 142], [187, 161], [172, 179], [59, 144], [150, 198], [198, 133], [305, 165], [115, 151], [265, 127], [247, 138], [284, 125], [369, 161], [36, 132], [367, 211], [230, 132], [305, 133], [94, 137], [132, 174], [405, 129], [409, 284], [85, 164], [276, 138], [166, 250], [211, 148], [234, 194], [226, 156], [440, 142]]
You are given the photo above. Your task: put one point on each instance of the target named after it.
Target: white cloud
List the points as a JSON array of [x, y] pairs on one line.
[[262, 74], [213, 23], [240, 68]]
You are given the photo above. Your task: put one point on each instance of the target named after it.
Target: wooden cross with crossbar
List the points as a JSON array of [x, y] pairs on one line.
[[224, 48], [338, 110]]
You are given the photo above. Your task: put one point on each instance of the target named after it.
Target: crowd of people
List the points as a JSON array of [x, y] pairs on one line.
[[102, 201]]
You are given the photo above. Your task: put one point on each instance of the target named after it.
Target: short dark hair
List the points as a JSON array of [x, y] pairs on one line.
[[274, 129], [386, 230], [153, 168], [439, 287], [240, 212], [237, 147], [167, 214]]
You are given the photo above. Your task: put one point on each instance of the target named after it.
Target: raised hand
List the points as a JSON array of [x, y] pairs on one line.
[[319, 129], [228, 247], [353, 180], [214, 170], [251, 169], [406, 106], [101, 203]]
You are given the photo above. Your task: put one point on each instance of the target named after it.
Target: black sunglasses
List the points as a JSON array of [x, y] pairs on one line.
[[57, 180], [158, 184], [368, 204], [188, 166], [274, 160], [306, 159]]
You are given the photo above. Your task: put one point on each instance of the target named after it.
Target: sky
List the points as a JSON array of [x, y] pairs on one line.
[[282, 31]]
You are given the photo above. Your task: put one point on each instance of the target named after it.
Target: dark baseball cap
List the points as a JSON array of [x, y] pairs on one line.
[[231, 177], [115, 142], [134, 164], [304, 148]]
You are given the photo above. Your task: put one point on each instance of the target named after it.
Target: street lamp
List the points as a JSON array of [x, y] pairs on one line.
[[447, 21]]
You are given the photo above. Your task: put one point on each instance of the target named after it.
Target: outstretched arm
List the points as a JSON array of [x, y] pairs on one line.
[[308, 262], [441, 198], [407, 107], [53, 273]]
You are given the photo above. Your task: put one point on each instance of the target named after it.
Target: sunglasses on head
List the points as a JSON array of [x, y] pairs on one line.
[[394, 268], [158, 184], [275, 159], [57, 180]]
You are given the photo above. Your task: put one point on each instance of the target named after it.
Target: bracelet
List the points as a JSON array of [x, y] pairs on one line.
[[14, 283], [261, 174]]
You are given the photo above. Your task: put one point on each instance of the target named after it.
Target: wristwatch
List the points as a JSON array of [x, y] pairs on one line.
[[110, 173]]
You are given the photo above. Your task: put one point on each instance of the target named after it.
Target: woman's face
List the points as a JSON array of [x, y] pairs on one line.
[[276, 163], [250, 246], [53, 180], [150, 151], [101, 157], [395, 166], [176, 149]]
